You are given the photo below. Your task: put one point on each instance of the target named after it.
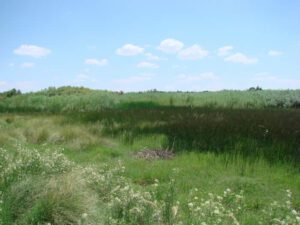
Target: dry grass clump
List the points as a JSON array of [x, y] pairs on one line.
[[51, 130], [4, 138], [62, 199], [36, 135], [39, 187], [154, 154], [77, 138]]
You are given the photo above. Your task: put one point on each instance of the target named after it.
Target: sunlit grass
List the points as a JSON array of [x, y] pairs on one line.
[[45, 187], [77, 170]]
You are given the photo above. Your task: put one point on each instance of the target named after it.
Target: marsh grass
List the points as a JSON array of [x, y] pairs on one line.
[[58, 200], [272, 134], [42, 186], [50, 129], [236, 158], [72, 99], [39, 187]]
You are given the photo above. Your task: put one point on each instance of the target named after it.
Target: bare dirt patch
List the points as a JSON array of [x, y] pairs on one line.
[[155, 154]]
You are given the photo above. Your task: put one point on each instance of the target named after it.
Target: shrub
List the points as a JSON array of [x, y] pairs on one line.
[[41, 187]]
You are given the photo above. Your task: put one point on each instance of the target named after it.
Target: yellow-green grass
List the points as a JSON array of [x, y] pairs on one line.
[[86, 144], [72, 99]]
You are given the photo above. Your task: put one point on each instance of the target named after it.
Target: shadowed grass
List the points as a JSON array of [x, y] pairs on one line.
[[272, 134]]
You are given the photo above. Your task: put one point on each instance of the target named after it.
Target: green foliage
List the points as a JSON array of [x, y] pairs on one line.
[[268, 133], [75, 161], [65, 90], [77, 99], [10, 93], [255, 89], [76, 194]]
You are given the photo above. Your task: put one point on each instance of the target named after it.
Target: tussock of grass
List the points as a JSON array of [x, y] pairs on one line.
[[36, 135], [53, 130], [58, 200], [42, 188]]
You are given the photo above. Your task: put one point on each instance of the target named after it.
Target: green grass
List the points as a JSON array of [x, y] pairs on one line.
[[71, 99], [81, 167], [59, 198], [271, 134], [100, 154]]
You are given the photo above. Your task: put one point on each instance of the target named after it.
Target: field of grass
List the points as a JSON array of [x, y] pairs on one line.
[[68, 99], [71, 156]]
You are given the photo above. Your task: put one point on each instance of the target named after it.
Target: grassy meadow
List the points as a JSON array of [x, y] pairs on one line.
[[80, 156]]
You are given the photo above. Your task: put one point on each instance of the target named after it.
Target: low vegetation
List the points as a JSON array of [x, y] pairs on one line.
[[81, 156], [70, 99]]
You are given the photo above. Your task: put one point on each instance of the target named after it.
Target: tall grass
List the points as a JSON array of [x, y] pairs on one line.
[[67, 156], [40, 187], [272, 134], [80, 99]]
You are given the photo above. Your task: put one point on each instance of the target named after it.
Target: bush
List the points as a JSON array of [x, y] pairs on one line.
[[10, 93]]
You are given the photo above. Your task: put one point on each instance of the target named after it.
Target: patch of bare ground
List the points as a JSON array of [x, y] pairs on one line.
[[155, 154]]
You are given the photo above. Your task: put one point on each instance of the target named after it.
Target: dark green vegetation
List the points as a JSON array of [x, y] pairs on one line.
[[271, 134], [247, 141], [10, 93]]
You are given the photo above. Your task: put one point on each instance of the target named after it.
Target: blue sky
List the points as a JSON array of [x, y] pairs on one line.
[[138, 45]]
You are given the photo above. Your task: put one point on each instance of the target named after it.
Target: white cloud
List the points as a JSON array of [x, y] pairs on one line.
[[199, 77], [32, 50], [192, 53], [170, 45], [27, 65], [100, 62], [129, 50], [241, 58], [147, 65], [274, 53], [152, 57], [225, 50], [134, 79]]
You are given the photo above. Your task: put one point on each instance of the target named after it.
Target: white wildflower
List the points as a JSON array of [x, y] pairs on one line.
[[190, 205], [216, 211], [175, 210], [197, 209]]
